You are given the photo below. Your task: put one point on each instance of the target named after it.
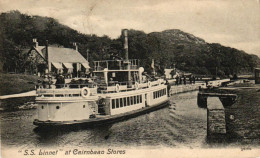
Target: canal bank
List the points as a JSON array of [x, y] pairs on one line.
[[236, 122], [184, 88]]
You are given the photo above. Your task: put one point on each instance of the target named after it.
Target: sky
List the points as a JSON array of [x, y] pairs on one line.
[[233, 23]]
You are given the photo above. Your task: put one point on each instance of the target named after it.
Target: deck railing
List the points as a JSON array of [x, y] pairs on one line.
[[116, 64], [74, 90]]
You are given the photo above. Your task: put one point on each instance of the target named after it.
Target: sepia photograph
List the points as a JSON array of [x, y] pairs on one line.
[[130, 78]]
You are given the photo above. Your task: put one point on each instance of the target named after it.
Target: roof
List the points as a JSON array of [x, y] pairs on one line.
[[86, 65], [65, 55], [57, 65], [40, 49], [68, 65]]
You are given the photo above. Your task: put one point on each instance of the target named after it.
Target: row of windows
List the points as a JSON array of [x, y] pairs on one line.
[[159, 93], [126, 101]]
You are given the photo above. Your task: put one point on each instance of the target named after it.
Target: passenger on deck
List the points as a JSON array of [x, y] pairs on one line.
[[73, 84], [111, 82], [168, 87], [193, 78], [38, 84], [177, 80], [45, 82], [60, 81], [184, 80], [180, 80]]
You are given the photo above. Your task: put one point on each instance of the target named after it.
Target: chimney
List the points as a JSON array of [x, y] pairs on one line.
[[35, 43], [124, 34], [75, 46]]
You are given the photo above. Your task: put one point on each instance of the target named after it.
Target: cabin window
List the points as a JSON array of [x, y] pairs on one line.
[[128, 101], [47, 95], [140, 98], [117, 103], [121, 102], [125, 102], [153, 95], [113, 103], [134, 99]]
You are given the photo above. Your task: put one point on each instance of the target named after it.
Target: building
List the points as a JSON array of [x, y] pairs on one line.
[[56, 60], [168, 73], [257, 75]]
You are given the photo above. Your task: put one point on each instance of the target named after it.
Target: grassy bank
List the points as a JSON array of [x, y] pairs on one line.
[[16, 83], [12, 104], [243, 117], [244, 125], [13, 84]]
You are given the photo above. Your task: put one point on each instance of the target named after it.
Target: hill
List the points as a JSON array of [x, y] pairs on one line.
[[189, 53], [169, 48]]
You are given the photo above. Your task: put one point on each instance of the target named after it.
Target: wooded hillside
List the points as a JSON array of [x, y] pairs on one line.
[[169, 48]]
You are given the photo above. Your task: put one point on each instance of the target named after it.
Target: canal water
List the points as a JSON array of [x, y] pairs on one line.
[[182, 124]]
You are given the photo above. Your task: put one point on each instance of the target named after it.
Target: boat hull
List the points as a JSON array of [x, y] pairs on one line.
[[100, 121]]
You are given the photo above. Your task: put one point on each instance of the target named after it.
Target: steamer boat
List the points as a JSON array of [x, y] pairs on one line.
[[105, 100]]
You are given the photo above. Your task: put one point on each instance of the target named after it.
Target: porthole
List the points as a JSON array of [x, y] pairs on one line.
[[42, 107], [57, 107], [84, 106]]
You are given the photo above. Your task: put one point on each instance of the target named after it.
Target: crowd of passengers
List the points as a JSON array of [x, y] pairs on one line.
[[60, 82]]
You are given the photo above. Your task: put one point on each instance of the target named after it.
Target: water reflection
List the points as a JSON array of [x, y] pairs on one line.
[[51, 136]]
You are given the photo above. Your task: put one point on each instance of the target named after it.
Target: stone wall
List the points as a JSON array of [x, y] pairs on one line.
[[216, 124], [184, 88]]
